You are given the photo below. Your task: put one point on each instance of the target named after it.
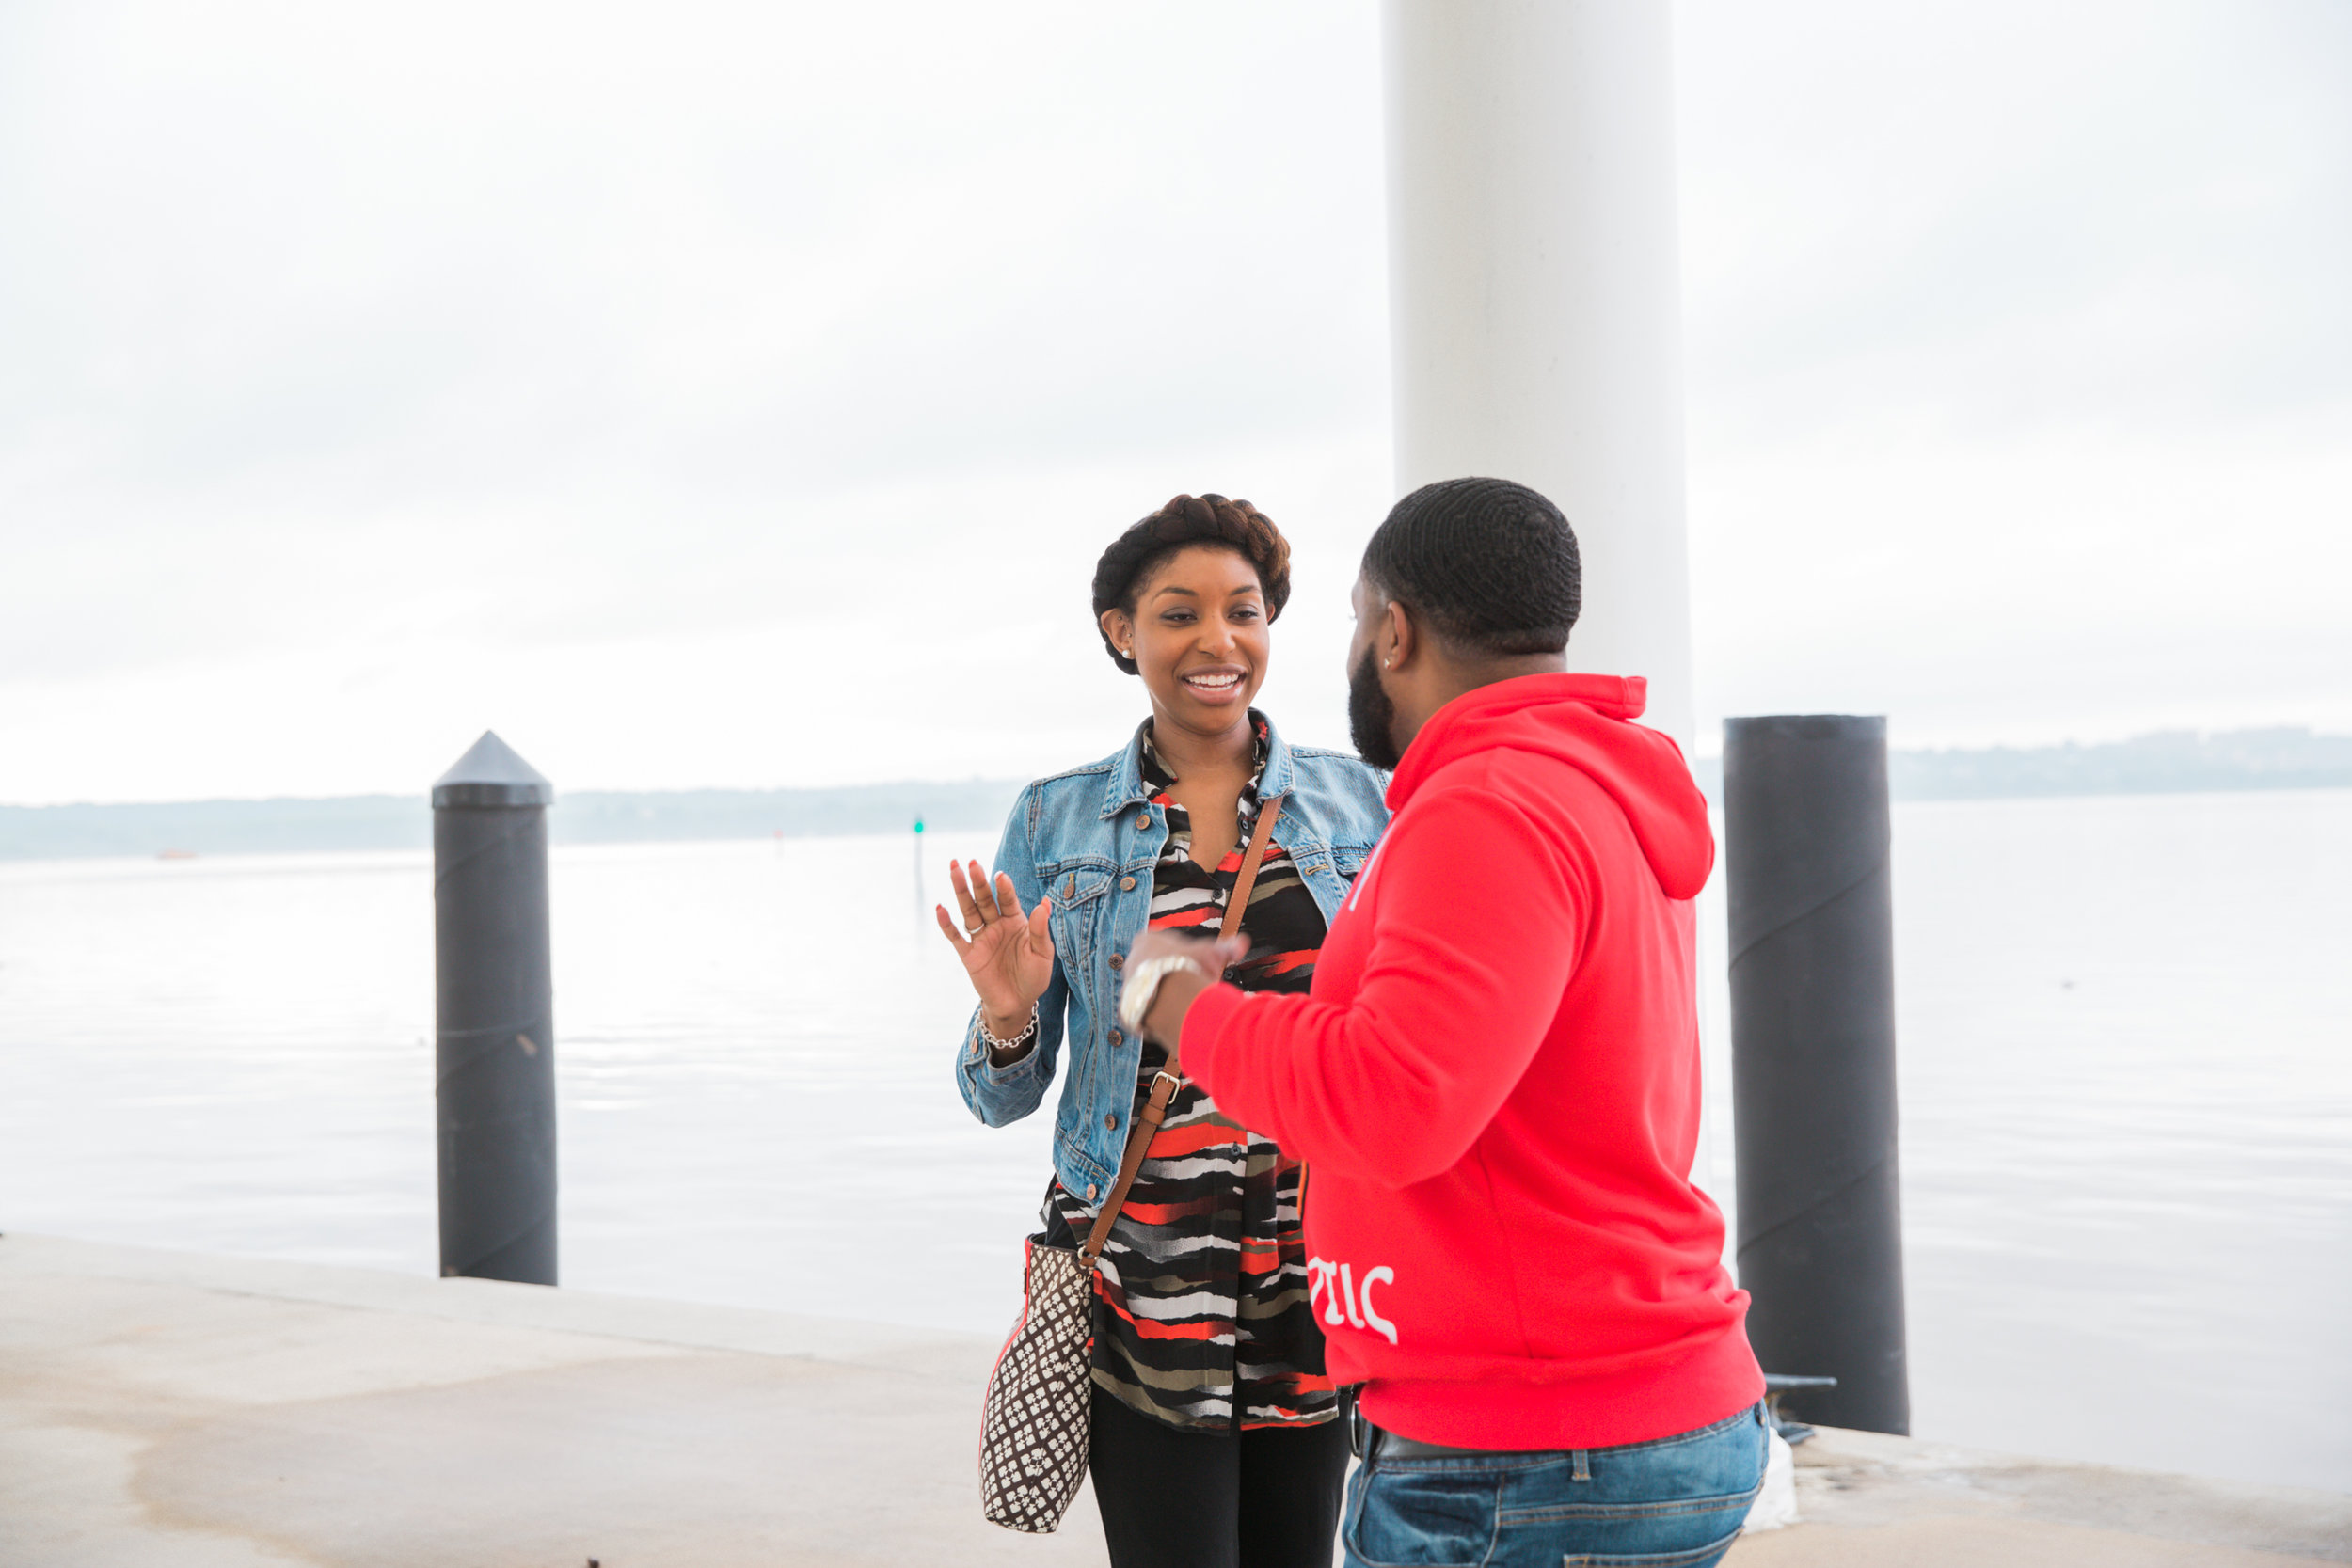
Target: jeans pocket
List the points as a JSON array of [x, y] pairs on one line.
[[1696, 1556], [1419, 1519]]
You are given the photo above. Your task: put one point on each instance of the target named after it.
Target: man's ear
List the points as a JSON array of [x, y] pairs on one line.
[[1399, 639]]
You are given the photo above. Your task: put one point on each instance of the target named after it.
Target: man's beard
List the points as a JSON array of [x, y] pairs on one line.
[[1371, 717]]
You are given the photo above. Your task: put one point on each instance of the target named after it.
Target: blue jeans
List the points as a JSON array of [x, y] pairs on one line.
[[1676, 1502]]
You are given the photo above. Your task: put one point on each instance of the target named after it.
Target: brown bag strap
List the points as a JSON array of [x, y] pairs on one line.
[[1238, 905], [1139, 1136], [1147, 1121]]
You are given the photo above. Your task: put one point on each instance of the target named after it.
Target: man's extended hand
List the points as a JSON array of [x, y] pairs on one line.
[[1165, 1022]]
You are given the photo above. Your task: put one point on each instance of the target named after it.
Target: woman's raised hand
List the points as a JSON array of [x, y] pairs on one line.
[[1009, 956]]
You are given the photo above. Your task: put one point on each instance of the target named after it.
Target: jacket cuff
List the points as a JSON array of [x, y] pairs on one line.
[[1205, 1020], [995, 1077], [984, 1069]]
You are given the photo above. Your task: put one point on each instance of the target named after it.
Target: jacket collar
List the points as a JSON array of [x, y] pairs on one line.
[[1126, 781]]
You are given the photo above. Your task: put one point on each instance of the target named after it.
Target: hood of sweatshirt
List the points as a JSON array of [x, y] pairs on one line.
[[1585, 722]]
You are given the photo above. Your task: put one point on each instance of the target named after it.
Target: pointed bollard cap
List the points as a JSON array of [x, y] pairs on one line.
[[491, 774]]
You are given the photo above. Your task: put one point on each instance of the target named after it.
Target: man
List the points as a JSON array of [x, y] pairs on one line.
[[1495, 1081]]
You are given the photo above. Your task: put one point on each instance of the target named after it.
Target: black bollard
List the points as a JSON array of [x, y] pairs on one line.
[[495, 1083], [1806, 841]]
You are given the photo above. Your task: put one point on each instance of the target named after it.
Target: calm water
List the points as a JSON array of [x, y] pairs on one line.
[[2127, 1059]]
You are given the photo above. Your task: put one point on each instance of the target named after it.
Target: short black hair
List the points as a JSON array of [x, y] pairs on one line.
[[1183, 522], [1490, 564]]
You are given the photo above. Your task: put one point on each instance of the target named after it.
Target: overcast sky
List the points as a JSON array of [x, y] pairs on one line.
[[739, 395]]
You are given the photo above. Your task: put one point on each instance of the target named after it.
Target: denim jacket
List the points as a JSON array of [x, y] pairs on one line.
[[1090, 838]]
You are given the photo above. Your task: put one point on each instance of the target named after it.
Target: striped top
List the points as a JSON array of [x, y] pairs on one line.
[[1202, 1317]]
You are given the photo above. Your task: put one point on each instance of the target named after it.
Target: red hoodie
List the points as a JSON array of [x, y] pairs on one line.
[[1495, 1084]]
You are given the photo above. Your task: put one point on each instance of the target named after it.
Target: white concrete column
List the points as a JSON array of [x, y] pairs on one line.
[[1535, 293]]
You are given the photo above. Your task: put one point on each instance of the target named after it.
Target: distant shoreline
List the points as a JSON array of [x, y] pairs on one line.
[[2177, 761], [2171, 762], [585, 816]]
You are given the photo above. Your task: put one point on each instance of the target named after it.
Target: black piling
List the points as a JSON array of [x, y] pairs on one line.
[[495, 1081], [1806, 841]]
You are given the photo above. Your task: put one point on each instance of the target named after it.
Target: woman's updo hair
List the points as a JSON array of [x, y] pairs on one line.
[[1183, 522]]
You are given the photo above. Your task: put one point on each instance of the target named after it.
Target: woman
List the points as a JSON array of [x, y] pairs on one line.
[[1213, 1432]]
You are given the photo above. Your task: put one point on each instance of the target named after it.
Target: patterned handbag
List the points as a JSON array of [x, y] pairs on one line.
[[1033, 1425]]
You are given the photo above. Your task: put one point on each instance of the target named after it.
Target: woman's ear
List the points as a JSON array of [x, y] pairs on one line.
[[1120, 629]]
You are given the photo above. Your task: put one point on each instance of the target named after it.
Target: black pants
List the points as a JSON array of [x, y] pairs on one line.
[[1268, 1497]]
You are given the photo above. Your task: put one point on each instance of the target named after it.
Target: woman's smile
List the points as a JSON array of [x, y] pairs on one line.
[[1216, 682]]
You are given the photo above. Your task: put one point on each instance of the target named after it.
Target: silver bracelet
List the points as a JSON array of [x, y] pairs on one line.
[[989, 1039]]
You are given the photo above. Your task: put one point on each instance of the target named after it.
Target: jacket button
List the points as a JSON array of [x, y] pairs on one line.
[[1116, 1036], [1090, 1189], [1127, 884], [1111, 1121], [1144, 821], [1119, 960]]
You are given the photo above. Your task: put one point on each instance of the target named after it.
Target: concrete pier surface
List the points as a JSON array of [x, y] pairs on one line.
[[1899, 1502], [201, 1412]]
